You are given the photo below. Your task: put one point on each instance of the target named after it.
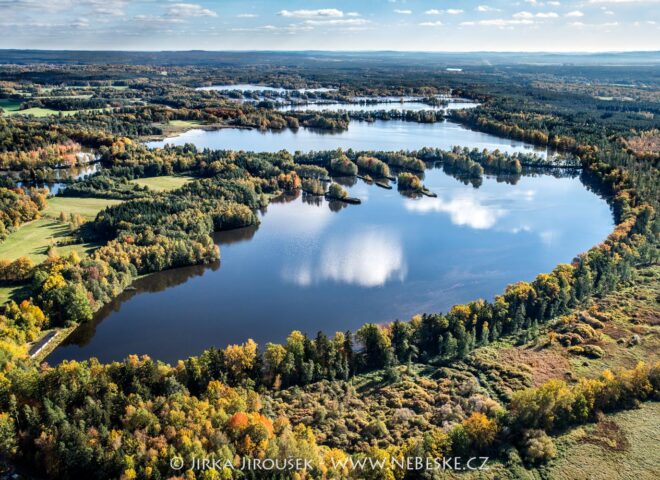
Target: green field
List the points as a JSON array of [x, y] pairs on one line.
[[162, 184], [86, 207], [11, 107], [33, 238], [42, 112], [185, 123]]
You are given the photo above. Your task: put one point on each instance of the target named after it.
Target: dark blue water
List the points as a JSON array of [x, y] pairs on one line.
[[314, 265]]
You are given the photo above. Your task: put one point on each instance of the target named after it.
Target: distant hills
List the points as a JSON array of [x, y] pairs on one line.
[[298, 58]]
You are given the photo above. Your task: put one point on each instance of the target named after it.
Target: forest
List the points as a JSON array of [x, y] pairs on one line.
[[439, 375]]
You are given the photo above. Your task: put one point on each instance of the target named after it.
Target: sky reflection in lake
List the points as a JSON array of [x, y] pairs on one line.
[[313, 265], [464, 209], [392, 135], [366, 258]]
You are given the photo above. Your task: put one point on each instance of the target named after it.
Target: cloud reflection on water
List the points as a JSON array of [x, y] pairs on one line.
[[368, 259], [298, 219], [463, 210]]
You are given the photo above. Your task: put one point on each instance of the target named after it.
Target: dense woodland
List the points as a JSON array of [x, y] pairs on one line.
[[127, 419], [17, 206]]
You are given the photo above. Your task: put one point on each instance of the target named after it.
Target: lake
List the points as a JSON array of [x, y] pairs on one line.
[[250, 87], [377, 135], [315, 265], [411, 105], [62, 176]]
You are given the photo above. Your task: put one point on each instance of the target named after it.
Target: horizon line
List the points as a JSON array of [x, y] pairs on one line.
[[577, 52]]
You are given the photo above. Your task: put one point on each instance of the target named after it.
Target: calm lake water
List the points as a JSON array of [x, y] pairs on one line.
[[378, 135], [375, 107], [250, 87], [313, 265], [61, 176]]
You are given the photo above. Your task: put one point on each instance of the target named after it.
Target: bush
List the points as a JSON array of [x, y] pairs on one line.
[[374, 166], [337, 192], [538, 447], [590, 351], [410, 182], [19, 270], [313, 186], [342, 165]]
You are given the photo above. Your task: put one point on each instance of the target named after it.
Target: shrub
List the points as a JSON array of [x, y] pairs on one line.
[[538, 447], [408, 181], [336, 191]]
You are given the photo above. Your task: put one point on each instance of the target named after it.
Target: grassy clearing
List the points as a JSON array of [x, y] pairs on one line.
[[46, 112], [175, 127], [85, 207], [164, 183], [186, 123], [34, 238], [42, 112], [620, 446], [632, 314]]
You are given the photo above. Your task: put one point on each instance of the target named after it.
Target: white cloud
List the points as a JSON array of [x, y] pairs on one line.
[[537, 15], [109, 11], [402, 12], [554, 4], [522, 228], [290, 29], [176, 13], [80, 23], [499, 22], [574, 13], [597, 2], [449, 11], [319, 13], [431, 24], [157, 19], [338, 21], [595, 25], [247, 15], [102, 7], [182, 10], [487, 8]]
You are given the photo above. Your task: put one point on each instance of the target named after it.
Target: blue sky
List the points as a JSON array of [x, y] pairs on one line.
[[422, 25]]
